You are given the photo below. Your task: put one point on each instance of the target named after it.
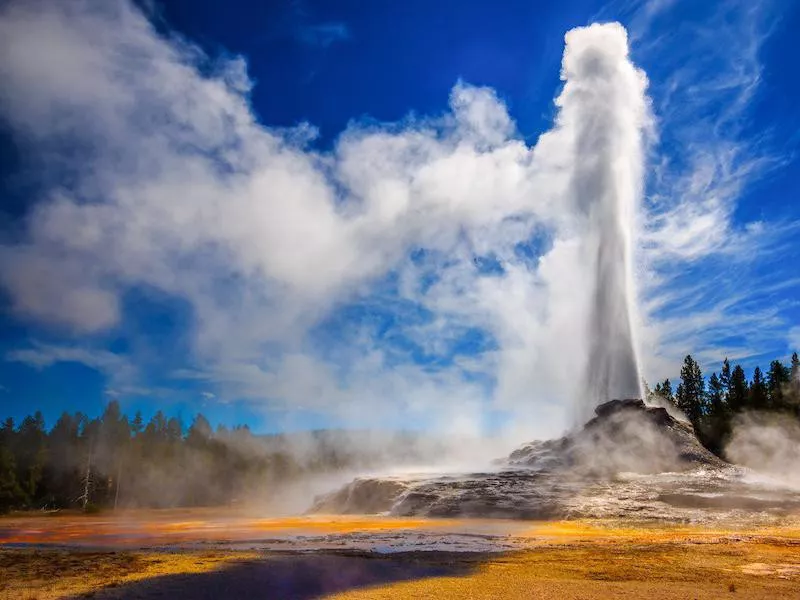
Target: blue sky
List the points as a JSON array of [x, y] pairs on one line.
[[302, 214]]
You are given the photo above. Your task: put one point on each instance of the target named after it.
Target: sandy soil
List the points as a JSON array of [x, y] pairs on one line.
[[189, 555]]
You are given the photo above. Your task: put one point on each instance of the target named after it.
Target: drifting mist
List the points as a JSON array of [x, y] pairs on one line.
[[177, 189]]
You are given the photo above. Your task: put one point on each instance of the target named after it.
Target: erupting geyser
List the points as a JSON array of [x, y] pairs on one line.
[[605, 105], [627, 458]]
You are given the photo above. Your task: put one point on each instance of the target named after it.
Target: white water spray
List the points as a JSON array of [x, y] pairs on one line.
[[605, 107]]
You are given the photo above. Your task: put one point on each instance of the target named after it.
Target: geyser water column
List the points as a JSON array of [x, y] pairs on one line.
[[605, 109]]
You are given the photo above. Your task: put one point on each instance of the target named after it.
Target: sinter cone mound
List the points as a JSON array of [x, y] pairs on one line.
[[629, 460]]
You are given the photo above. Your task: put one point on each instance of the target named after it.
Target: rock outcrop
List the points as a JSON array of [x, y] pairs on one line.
[[581, 474], [624, 436]]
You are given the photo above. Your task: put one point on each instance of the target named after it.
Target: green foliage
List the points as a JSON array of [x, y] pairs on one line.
[[778, 384], [757, 398], [712, 406], [690, 396], [738, 391], [716, 400], [92, 509], [725, 377], [793, 397], [11, 493], [666, 391], [111, 461], [714, 427]]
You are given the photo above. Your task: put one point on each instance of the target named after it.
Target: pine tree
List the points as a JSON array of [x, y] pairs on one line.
[[90, 479], [716, 424], [716, 397], [137, 425], [737, 399], [725, 378], [64, 467], [691, 391], [11, 494], [30, 452], [757, 395], [200, 431], [793, 397], [666, 391], [778, 380], [174, 430]]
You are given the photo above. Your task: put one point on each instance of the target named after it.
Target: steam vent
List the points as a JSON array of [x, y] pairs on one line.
[[629, 460]]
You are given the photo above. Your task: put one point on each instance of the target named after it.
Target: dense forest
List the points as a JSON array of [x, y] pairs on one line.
[[113, 461], [713, 405]]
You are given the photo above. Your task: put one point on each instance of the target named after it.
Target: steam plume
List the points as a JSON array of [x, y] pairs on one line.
[[271, 241], [605, 96]]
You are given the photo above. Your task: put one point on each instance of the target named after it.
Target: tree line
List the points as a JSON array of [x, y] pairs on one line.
[[116, 461], [712, 405]]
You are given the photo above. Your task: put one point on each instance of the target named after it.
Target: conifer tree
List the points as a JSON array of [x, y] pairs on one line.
[[778, 380], [715, 428], [666, 391], [725, 378], [137, 425], [757, 395], [793, 397], [10, 491], [691, 391], [30, 453], [737, 399], [716, 397], [11, 494]]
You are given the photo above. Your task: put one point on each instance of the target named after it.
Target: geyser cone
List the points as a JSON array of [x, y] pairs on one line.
[[604, 103]]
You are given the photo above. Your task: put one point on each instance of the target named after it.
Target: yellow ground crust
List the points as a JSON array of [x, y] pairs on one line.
[[751, 570], [576, 559], [137, 528], [156, 527], [51, 574], [588, 570]]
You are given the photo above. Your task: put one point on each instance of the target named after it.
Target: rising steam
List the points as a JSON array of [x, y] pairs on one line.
[[605, 96], [768, 443], [264, 239]]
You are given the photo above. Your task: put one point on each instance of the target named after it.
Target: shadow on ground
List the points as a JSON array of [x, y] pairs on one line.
[[297, 577]]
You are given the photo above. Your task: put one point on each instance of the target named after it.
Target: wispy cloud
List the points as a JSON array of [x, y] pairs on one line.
[[794, 339], [183, 191], [443, 256], [322, 34], [707, 273], [121, 372]]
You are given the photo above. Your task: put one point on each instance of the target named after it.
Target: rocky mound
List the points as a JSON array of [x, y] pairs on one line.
[[580, 474], [624, 436]]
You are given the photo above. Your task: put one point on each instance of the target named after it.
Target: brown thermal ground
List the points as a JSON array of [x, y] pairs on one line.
[[220, 554]]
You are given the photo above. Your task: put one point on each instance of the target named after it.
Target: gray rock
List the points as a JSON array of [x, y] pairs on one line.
[[630, 459]]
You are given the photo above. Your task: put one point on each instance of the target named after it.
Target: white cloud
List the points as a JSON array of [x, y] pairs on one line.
[[41, 356], [706, 275], [794, 339], [174, 185]]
